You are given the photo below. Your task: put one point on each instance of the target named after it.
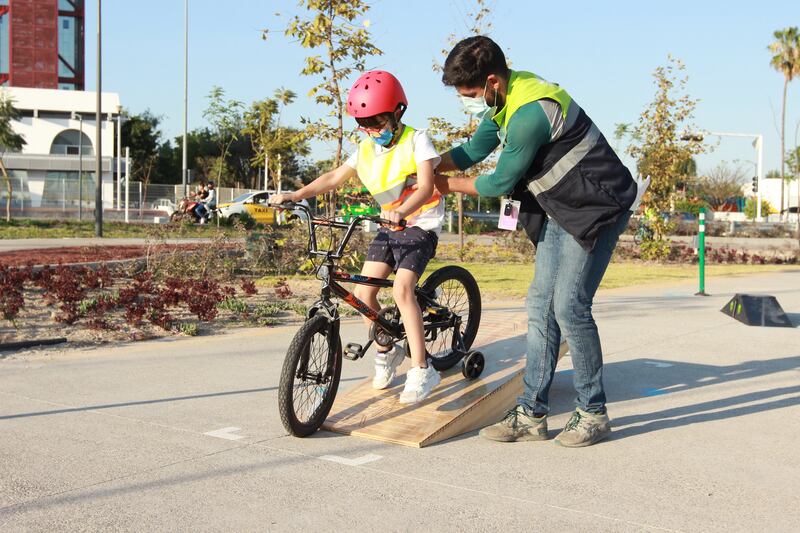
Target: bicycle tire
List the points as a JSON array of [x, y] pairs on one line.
[[443, 354], [319, 404]]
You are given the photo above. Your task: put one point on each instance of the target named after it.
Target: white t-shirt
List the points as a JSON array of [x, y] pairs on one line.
[[432, 219]]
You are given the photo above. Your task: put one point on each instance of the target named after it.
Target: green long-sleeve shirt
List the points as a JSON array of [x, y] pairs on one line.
[[528, 130]]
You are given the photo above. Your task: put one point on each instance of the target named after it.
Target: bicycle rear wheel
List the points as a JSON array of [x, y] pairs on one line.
[[310, 377], [455, 289]]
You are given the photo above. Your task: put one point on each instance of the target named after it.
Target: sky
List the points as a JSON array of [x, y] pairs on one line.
[[602, 53]]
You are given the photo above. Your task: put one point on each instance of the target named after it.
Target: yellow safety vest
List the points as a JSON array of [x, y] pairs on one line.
[[525, 87], [387, 175]]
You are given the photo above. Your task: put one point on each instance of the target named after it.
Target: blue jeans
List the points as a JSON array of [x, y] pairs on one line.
[[560, 304]]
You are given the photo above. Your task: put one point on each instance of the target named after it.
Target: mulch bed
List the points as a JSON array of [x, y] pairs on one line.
[[85, 254]]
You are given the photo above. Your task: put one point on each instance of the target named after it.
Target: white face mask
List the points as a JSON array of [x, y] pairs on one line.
[[476, 105]]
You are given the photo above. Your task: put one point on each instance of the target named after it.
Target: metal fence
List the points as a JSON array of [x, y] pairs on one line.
[[59, 196]]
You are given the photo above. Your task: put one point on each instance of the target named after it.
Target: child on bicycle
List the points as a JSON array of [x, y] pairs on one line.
[[385, 162]]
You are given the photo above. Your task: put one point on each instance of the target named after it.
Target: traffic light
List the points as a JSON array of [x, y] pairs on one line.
[[755, 183]]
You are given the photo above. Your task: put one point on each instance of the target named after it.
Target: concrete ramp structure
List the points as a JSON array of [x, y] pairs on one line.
[[455, 407]]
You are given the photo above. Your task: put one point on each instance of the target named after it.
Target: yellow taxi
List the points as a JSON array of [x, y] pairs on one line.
[[252, 203]]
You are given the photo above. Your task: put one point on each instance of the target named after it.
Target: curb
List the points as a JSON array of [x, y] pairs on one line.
[[13, 346]]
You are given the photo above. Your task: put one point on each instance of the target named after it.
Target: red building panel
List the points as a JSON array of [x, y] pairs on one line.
[[34, 43]]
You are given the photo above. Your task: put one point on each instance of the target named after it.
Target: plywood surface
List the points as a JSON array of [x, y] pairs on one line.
[[455, 406]]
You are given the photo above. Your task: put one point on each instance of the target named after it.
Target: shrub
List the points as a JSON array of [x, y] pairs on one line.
[[751, 207]]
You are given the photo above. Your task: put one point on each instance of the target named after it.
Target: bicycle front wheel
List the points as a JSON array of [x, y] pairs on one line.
[[454, 288], [310, 377]]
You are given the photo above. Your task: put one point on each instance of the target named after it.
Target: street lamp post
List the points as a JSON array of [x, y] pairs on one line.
[[80, 165], [184, 166], [98, 165], [120, 121]]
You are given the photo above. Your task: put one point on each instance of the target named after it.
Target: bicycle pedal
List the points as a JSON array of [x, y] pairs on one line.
[[353, 351]]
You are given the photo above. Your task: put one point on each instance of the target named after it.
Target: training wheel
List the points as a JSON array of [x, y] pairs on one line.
[[472, 365]]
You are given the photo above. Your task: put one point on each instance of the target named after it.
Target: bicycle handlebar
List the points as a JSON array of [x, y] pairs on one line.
[[350, 227]]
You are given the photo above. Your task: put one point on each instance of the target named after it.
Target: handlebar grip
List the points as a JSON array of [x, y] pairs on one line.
[[385, 222]]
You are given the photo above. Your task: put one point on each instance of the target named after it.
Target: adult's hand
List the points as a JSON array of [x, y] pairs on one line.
[[442, 184]]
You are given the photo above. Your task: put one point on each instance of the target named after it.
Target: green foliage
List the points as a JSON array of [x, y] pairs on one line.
[[658, 148], [655, 249], [751, 207], [786, 60], [721, 184], [280, 145], [690, 205], [142, 134], [9, 140], [225, 117], [339, 28], [188, 328]]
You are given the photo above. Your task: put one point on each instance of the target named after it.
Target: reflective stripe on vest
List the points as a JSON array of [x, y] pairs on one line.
[[526, 87], [387, 175], [549, 179]]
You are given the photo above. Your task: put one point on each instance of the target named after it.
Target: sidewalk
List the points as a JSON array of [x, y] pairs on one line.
[[184, 434]]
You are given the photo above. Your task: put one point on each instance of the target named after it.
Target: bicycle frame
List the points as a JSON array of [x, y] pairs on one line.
[[332, 279]]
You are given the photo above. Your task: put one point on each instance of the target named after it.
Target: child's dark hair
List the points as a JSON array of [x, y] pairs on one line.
[[471, 61], [376, 121]]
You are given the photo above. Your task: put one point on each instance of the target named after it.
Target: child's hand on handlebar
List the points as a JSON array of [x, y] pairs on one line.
[[395, 217]]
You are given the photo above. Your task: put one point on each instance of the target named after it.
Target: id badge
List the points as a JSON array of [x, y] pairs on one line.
[[509, 214]]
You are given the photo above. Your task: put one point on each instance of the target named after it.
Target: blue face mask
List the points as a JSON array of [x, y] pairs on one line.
[[384, 139]]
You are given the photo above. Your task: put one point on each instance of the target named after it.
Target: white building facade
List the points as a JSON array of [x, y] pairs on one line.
[[60, 135]]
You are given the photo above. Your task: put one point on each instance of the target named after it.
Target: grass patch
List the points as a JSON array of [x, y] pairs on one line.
[[56, 229], [513, 280], [504, 280]]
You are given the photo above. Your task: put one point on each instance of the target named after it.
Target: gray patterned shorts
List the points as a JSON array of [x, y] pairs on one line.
[[411, 248]]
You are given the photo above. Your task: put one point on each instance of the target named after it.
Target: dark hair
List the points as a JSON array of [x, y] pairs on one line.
[[471, 61], [375, 121]]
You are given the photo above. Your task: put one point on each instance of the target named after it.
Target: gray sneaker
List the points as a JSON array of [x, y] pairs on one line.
[[517, 426], [584, 429]]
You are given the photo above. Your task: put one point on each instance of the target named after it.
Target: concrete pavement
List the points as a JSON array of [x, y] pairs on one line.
[[184, 434]]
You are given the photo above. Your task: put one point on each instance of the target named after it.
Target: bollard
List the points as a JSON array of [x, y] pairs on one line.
[[701, 252]]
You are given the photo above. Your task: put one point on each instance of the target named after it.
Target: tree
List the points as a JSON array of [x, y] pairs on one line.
[[786, 60], [274, 146], [201, 153], [142, 134], [447, 134], [333, 26], [225, 117], [9, 140], [721, 184], [659, 149]]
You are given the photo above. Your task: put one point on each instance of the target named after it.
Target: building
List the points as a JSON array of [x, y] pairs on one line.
[[42, 44], [42, 71], [59, 131]]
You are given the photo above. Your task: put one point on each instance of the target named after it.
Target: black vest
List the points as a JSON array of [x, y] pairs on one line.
[[579, 181]]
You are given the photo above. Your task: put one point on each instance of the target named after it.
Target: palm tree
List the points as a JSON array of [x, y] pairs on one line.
[[786, 60], [9, 140]]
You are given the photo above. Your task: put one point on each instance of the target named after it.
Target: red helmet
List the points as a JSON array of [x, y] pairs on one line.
[[373, 93]]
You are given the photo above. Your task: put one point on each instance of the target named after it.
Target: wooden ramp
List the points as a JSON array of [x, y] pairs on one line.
[[455, 407]]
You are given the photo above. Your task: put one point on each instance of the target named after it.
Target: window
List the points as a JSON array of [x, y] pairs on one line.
[[68, 142]]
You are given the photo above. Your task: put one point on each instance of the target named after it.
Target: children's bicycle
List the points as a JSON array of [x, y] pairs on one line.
[[451, 311]]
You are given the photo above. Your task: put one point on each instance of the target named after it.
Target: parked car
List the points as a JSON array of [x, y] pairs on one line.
[[256, 205], [164, 204]]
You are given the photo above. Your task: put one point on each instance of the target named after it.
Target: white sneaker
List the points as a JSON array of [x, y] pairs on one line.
[[419, 384], [386, 364]]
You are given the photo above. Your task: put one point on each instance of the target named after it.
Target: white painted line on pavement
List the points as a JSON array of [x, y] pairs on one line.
[[658, 365], [358, 461], [225, 433]]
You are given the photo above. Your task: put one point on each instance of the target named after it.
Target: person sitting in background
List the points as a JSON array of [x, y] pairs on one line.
[[209, 203]]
